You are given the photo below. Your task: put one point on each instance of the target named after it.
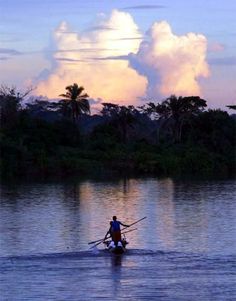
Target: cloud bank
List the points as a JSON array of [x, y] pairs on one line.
[[115, 63], [171, 63], [91, 60]]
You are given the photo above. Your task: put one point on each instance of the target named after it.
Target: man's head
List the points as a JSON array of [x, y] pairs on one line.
[[114, 218]]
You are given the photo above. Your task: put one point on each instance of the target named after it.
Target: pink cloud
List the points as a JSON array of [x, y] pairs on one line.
[[115, 63], [81, 59], [172, 63]]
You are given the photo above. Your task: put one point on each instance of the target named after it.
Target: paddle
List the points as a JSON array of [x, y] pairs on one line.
[[100, 240], [93, 242], [103, 240]]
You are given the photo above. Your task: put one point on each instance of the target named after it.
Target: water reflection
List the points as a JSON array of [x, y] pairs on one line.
[[186, 216], [116, 260], [166, 213]]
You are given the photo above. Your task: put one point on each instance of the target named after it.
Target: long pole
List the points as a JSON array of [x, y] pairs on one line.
[[135, 222]]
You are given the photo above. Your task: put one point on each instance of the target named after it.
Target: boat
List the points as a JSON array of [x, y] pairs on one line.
[[111, 246], [118, 248]]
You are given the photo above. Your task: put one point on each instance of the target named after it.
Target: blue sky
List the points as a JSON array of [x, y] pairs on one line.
[[34, 40]]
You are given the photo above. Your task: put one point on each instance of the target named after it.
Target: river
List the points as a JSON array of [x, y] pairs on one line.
[[184, 250]]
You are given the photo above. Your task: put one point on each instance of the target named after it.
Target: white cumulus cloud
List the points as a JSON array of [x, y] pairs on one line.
[[92, 60], [115, 63], [172, 64]]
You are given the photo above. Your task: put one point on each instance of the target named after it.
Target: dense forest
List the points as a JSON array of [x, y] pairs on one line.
[[176, 137]]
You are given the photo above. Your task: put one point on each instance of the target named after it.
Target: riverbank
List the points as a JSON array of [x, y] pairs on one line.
[[145, 160], [50, 145]]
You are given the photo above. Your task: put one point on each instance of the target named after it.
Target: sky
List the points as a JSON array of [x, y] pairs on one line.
[[125, 52]]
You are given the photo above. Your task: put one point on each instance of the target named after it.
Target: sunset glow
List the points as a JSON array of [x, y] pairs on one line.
[[93, 61], [121, 54]]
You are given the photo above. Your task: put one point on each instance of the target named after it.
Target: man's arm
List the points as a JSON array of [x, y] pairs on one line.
[[124, 225], [108, 233]]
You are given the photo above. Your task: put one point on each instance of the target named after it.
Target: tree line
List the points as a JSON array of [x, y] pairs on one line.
[[178, 136]]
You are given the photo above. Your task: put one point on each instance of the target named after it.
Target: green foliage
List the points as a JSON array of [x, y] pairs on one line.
[[33, 145], [122, 118], [174, 113]]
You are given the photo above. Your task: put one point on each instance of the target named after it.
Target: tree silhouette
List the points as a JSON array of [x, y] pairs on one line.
[[75, 102], [174, 112], [121, 116], [10, 103], [233, 107]]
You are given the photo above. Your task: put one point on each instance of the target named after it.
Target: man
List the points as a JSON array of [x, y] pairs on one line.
[[115, 228]]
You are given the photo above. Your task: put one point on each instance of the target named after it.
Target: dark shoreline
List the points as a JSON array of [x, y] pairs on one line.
[[37, 142], [109, 175]]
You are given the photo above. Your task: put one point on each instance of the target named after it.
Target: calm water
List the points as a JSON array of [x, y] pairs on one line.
[[184, 250]]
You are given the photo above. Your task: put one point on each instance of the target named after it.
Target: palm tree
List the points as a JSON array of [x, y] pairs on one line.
[[174, 112], [74, 102], [180, 110]]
